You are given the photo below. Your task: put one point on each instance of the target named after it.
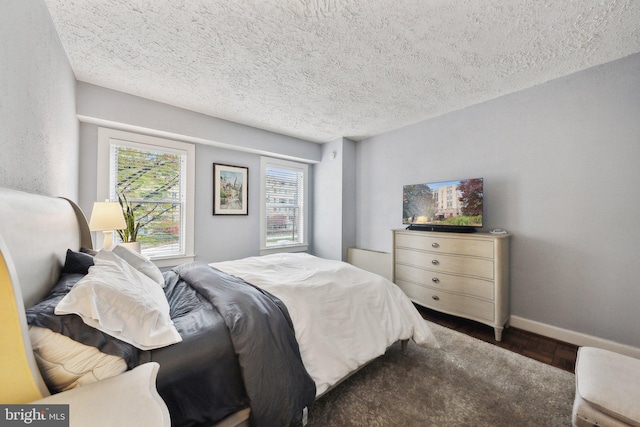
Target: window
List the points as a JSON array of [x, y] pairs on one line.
[[284, 210], [156, 177]]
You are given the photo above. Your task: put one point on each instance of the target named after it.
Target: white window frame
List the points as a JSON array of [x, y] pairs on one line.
[[291, 247], [106, 135]]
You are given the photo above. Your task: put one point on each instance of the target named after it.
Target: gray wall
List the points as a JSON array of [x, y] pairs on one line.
[[349, 191], [217, 141], [334, 201], [38, 125], [225, 237], [327, 198], [561, 163]]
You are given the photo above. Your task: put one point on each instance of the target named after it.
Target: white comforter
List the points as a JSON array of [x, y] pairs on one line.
[[343, 316]]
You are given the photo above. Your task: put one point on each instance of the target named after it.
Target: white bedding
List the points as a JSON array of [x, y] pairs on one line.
[[343, 316]]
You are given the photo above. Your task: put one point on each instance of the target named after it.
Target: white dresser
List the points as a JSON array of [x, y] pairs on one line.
[[464, 274]]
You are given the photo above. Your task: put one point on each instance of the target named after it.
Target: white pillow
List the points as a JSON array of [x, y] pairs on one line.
[[140, 263], [118, 300]]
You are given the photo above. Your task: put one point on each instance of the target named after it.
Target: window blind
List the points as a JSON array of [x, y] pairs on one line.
[[154, 182], [284, 206]]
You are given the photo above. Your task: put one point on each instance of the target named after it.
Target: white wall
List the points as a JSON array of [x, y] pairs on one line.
[[38, 125], [561, 167]]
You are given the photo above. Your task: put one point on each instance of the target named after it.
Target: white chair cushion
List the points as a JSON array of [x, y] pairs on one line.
[[585, 415], [128, 399], [66, 364], [610, 382]]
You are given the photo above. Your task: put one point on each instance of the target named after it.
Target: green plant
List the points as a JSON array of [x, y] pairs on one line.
[[130, 232]]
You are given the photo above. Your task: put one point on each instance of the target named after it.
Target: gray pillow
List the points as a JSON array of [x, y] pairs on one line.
[[77, 262]]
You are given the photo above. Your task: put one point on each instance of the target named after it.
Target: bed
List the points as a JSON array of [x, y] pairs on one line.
[[270, 333]]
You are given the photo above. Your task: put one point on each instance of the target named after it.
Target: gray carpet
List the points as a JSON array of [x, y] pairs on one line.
[[467, 382]]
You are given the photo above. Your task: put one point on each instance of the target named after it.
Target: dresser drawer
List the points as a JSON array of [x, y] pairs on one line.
[[448, 282], [450, 303], [459, 246], [478, 267]]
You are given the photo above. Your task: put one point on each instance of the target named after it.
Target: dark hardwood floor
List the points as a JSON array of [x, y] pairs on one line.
[[547, 350]]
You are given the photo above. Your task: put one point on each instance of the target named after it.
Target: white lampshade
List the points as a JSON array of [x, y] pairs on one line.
[[106, 217]]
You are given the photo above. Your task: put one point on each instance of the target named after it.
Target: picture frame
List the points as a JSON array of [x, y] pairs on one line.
[[230, 190]]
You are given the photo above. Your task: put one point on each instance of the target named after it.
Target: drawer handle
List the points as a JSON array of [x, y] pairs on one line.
[[435, 280], [435, 298], [435, 262], [435, 245]]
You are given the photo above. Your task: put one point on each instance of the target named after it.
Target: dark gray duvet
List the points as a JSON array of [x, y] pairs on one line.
[[238, 349]]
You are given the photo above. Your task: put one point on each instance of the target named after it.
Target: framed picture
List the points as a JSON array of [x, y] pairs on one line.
[[230, 190]]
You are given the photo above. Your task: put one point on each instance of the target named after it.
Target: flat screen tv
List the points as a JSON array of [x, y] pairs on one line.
[[443, 206]]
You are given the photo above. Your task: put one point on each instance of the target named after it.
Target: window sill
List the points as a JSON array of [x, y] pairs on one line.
[[284, 249], [172, 261]]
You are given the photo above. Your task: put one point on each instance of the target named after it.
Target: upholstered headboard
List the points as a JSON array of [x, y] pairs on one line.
[[35, 233]]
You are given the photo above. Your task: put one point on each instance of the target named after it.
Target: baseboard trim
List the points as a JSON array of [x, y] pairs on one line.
[[572, 337]]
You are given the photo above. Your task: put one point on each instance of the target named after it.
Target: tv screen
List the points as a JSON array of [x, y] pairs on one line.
[[447, 205]]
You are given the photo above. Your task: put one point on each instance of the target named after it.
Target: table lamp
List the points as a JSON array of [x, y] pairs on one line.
[[107, 216]]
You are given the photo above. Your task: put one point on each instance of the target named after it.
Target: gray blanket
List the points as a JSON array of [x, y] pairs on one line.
[[276, 382]]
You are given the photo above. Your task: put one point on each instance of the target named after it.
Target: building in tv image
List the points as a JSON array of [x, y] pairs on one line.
[[449, 203]]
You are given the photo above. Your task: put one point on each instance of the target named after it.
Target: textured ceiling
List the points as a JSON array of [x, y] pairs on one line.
[[324, 69]]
